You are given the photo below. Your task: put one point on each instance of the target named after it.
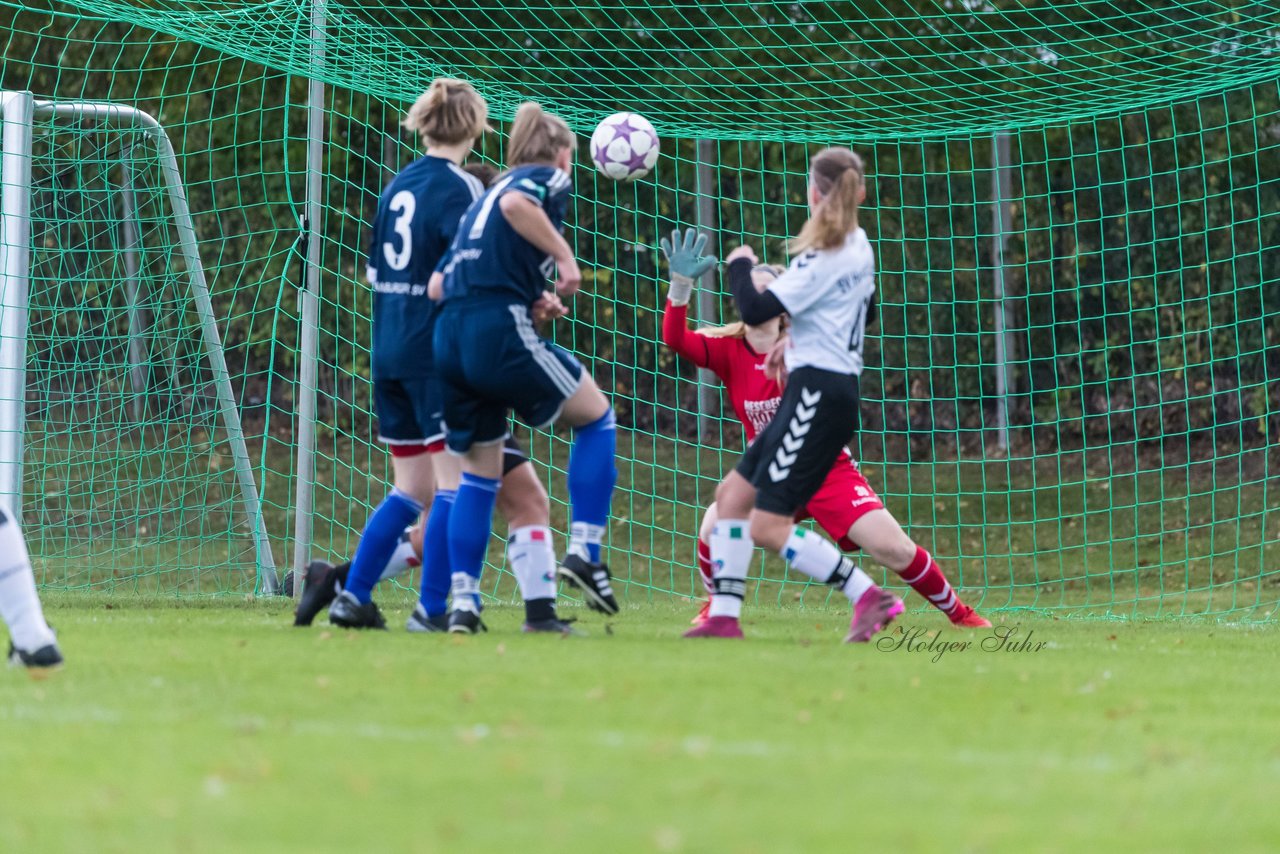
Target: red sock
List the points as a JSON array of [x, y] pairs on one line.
[[704, 566], [927, 579]]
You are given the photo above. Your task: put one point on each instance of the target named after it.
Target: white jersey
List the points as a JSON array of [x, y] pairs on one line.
[[826, 294]]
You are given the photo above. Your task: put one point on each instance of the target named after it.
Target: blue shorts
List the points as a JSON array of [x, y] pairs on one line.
[[490, 361], [409, 410]]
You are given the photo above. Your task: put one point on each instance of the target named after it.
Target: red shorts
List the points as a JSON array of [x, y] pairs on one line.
[[844, 498], [413, 449]]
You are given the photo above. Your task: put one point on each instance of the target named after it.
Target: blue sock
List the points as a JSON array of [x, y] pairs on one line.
[[470, 524], [435, 555], [592, 475], [378, 542]]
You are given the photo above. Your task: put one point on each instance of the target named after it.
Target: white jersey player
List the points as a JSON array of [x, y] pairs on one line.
[[826, 293]]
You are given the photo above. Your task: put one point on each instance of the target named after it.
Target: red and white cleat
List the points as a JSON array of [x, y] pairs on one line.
[[967, 618], [716, 627], [876, 609], [703, 615]]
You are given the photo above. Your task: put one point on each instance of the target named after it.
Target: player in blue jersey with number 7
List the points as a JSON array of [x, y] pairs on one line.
[[491, 361], [417, 217]]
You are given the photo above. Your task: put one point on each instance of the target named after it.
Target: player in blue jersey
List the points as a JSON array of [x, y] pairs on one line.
[[521, 501], [417, 216], [491, 361]]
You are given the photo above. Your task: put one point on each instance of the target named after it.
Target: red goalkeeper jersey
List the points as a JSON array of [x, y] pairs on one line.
[[754, 395]]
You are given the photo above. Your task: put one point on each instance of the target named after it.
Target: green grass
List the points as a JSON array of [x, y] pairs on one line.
[[217, 727]]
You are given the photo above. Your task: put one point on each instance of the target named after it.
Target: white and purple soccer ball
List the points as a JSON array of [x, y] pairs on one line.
[[625, 146]]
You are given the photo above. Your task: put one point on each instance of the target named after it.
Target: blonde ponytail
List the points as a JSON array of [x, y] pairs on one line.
[[837, 175], [448, 113], [537, 136], [737, 329]]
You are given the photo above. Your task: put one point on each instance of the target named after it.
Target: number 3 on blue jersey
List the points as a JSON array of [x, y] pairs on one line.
[[403, 203]]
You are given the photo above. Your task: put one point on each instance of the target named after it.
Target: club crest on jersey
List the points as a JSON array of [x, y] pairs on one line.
[[797, 430]]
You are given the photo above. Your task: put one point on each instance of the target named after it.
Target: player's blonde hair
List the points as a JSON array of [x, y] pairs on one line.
[[837, 175], [738, 329], [537, 136], [449, 112]]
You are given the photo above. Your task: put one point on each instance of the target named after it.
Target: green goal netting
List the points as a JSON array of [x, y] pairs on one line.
[[1071, 395]]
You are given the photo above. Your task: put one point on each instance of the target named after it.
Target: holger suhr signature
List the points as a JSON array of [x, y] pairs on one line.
[[920, 639]]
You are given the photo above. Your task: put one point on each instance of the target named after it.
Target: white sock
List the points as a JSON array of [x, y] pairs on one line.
[[582, 536], [19, 604], [811, 554], [731, 550], [402, 559], [464, 593], [532, 557]]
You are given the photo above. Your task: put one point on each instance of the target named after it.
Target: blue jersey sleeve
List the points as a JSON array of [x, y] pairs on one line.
[[546, 185]]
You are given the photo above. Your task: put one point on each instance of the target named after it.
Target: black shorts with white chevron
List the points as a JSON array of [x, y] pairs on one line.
[[791, 457]]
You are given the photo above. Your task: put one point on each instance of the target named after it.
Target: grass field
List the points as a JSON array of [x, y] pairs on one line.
[[215, 726]]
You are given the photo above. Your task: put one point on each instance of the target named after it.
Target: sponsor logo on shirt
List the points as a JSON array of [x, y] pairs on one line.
[[761, 412], [401, 288], [459, 256]]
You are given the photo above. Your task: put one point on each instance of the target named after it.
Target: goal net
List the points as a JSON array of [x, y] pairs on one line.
[[135, 469], [1072, 392]]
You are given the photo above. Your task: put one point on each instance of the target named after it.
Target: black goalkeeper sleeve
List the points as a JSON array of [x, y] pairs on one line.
[[753, 307]]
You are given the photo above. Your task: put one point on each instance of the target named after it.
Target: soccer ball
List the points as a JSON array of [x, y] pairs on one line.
[[625, 146]]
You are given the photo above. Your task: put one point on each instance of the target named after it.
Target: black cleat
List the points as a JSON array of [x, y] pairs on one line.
[[44, 658], [319, 587], [463, 622], [420, 622], [551, 627], [593, 580], [350, 614]]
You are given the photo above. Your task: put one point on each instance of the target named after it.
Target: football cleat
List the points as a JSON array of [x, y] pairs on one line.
[[44, 658], [703, 614], [320, 584], [593, 580], [716, 627], [876, 609], [553, 626], [349, 613], [967, 618], [419, 621], [464, 622]]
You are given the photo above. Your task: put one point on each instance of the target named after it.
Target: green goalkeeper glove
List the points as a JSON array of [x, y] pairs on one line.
[[684, 257]]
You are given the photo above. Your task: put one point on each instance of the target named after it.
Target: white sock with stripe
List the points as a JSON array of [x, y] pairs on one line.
[[731, 550], [19, 603], [464, 594], [811, 554], [403, 558], [532, 558], [582, 536]]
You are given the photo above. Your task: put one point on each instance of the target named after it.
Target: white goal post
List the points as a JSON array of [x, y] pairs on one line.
[[18, 112]]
